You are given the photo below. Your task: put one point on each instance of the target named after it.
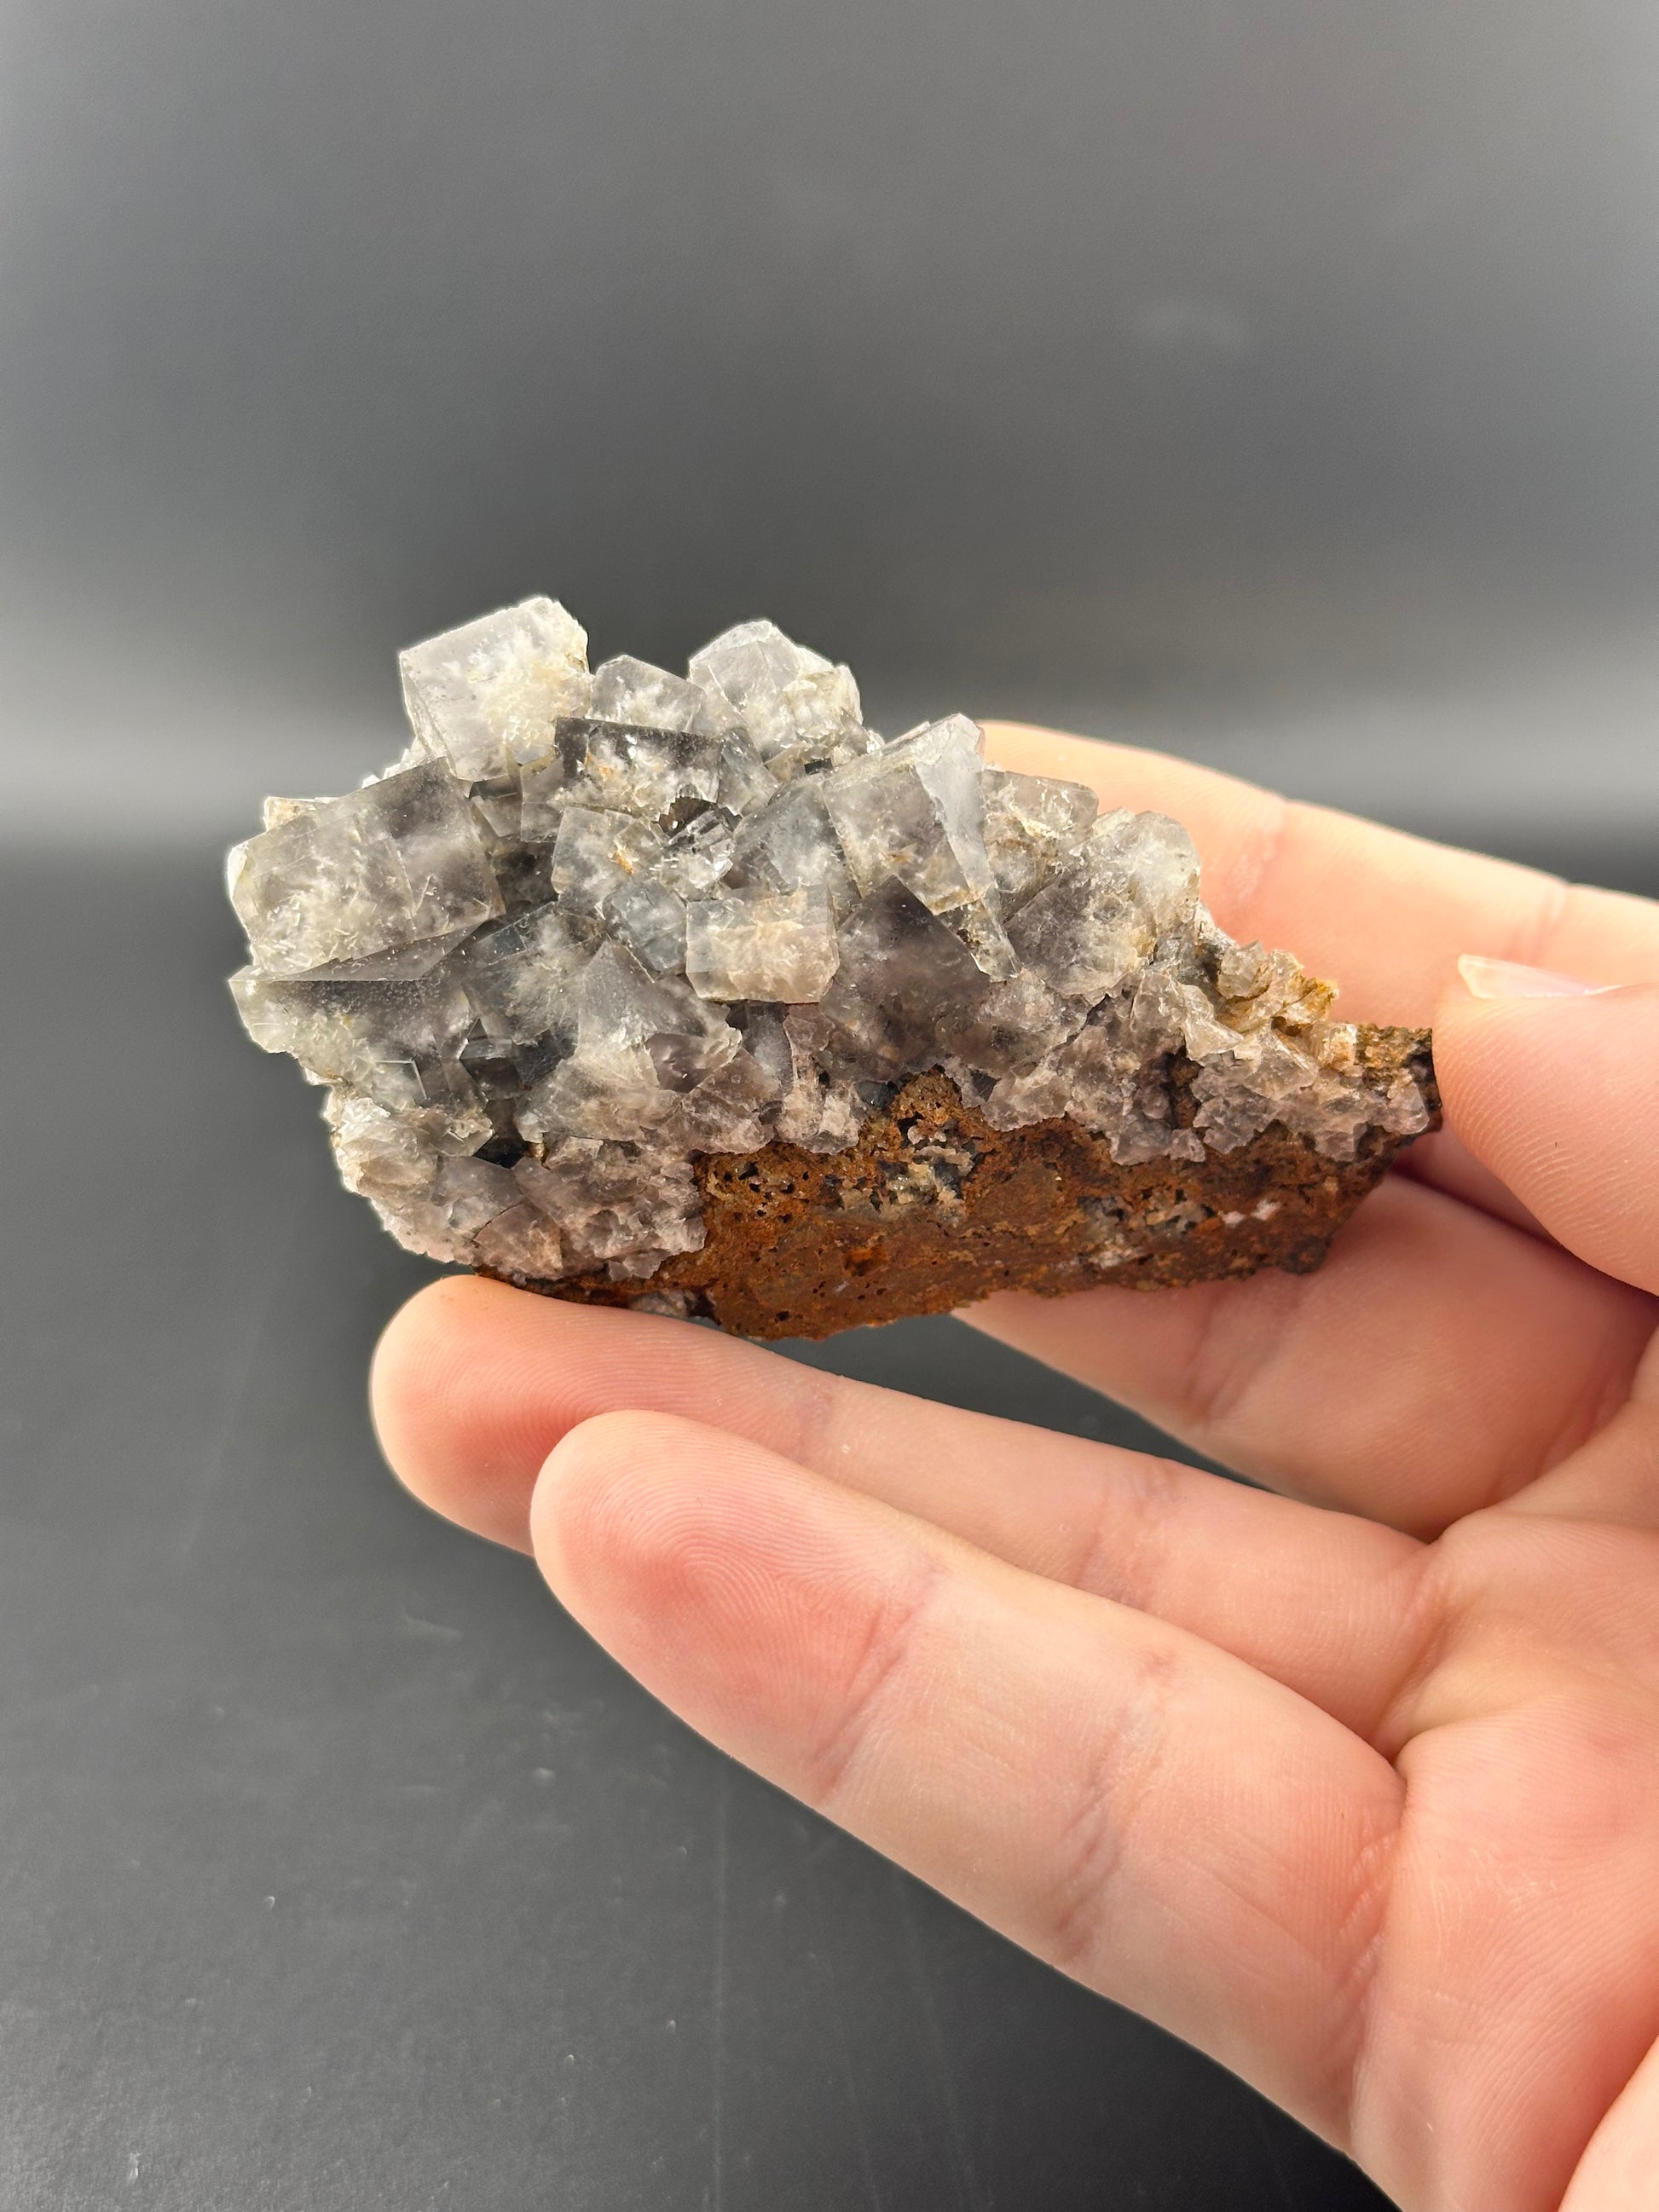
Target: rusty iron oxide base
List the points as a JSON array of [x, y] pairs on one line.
[[932, 1208]]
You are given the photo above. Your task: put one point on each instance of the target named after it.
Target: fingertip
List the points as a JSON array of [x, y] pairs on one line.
[[738, 1587], [581, 1503], [474, 1384], [423, 1401], [1555, 1094], [424, 1327]]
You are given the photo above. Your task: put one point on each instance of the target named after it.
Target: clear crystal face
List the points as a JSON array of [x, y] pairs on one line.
[[780, 948], [593, 927], [394, 865], [479, 696]]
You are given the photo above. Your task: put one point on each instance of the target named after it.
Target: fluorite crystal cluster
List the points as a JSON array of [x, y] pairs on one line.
[[597, 928]]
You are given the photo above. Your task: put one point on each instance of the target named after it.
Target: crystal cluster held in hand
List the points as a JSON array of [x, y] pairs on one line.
[[594, 925]]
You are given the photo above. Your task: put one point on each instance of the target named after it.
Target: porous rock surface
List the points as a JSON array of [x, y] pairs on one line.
[[693, 994]]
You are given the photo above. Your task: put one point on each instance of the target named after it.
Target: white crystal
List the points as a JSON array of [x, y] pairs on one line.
[[782, 948], [478, 695]]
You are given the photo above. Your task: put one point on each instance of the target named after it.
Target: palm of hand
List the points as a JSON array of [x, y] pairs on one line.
[[1365, 1801]]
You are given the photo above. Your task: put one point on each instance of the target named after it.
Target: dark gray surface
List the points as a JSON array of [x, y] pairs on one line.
[[1280, 376], [337, 1869]]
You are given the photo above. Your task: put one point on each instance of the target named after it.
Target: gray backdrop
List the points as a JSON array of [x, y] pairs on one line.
[[1272, 377], [1272, 380]]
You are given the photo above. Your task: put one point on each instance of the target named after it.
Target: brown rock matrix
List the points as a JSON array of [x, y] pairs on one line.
[[933, 1209]]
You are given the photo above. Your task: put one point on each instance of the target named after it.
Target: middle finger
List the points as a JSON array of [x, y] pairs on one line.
[[476, 1385], [1439, 1361]]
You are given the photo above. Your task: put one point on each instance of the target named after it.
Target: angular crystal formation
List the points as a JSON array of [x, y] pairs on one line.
[[796, 708], [596, 926], [782, 948], [915, 811], [397, 865], [487, 694]]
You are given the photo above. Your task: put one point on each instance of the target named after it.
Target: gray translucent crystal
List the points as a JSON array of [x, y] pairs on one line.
[[518, 977], [1243, 971], [589, 929], [1101, 1076], [398, 1148], [642, 1042], [498, 802], [614, 1200], [385, 867], [821, 1112], [394, 1157], [905, 980], [629, 690], [726, 1111], [649, 919], [791, 845], [477, 696], [795, 706], [1133, 877], [752, 663], [521, 1241], [1030, 822], [780, 947], [916, 811], [399, 1043], [472, 1192], [1015, 1023], [657, 773], [595, 852], [276, 812], [695, 858], [766, 1040], [980, 927], [746, 783]]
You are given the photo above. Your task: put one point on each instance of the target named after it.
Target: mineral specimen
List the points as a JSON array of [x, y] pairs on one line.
[[692, 993]]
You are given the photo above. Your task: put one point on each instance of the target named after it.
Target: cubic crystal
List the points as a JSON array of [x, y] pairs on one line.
[[782, 948], [486, 694], [395, 865], [592, 929]]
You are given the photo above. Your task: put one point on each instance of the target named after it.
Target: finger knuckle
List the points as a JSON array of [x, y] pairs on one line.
[[877, 1670], [1073, 1904]]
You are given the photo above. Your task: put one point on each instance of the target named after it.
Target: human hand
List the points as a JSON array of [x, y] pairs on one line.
[[1356, 1787]]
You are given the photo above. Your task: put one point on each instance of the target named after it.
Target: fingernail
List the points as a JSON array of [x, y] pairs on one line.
[[1508, 979]]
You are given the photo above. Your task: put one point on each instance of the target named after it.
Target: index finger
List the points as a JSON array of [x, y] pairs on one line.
[[1382, 913]]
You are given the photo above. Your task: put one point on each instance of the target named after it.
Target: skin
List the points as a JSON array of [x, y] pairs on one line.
[[1352, 1780]]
